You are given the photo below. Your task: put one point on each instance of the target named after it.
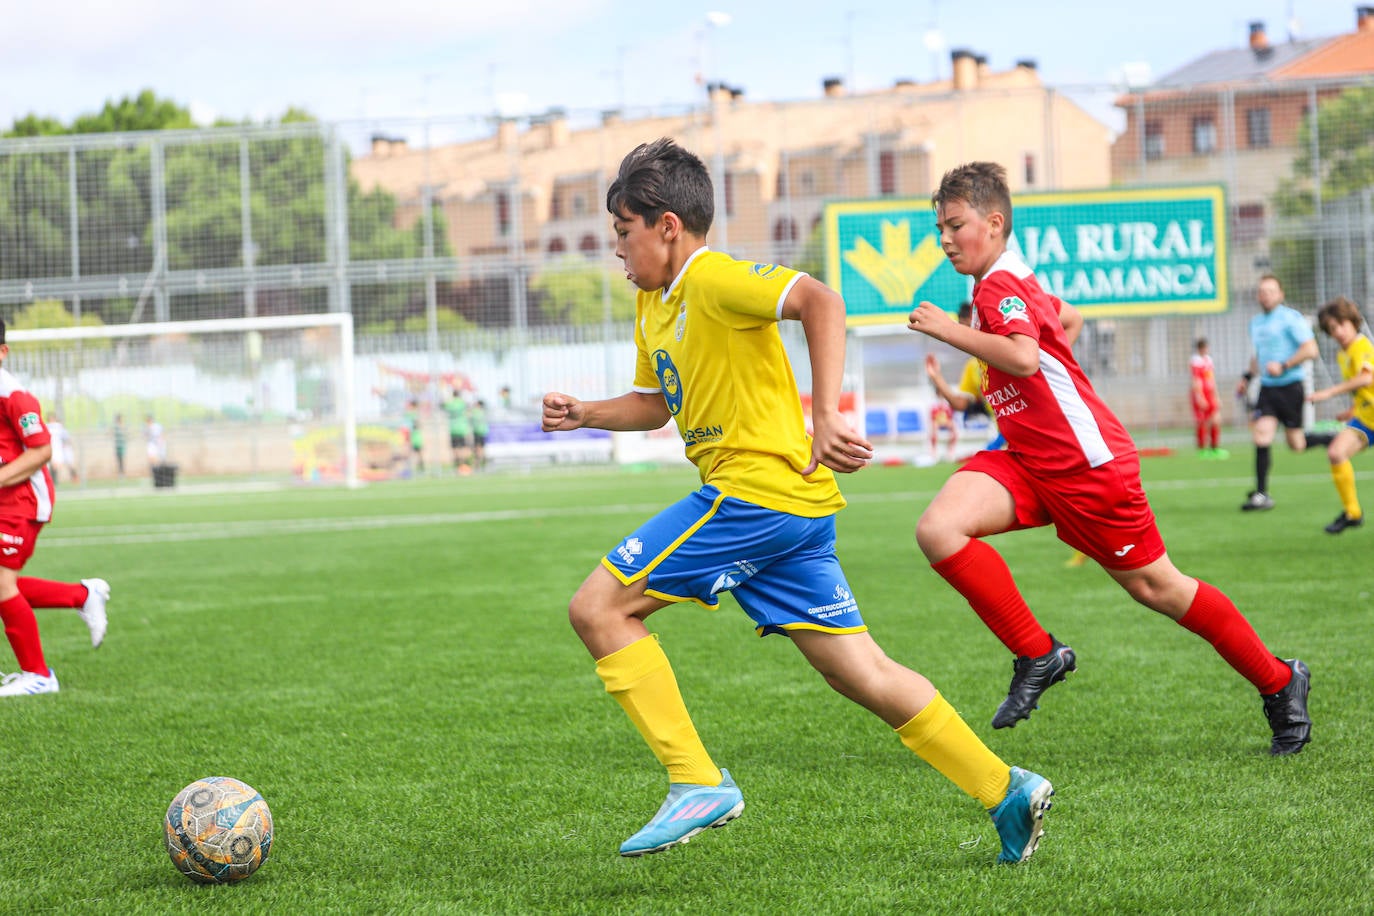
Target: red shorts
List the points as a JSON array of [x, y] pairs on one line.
[[1102, 512], [17, 537]]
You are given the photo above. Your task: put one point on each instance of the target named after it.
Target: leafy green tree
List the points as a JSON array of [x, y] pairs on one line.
[[571, 290], [53, 313], [1344, 165], [204, 212]]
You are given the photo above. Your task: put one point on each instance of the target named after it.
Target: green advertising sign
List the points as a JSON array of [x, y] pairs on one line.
[[1119, 252]]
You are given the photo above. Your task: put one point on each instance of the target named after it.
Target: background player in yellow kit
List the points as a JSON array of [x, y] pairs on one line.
[[1340, 318]]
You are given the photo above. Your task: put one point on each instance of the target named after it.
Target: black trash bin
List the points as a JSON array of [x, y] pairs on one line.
[[164, 475]]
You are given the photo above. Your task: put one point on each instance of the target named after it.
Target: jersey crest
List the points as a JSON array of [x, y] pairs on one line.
[[1013, 309], [668, 380]]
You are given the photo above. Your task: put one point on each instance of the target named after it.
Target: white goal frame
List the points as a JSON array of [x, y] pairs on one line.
[[342, 321]]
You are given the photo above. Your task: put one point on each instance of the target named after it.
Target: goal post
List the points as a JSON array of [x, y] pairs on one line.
[[266, 397]]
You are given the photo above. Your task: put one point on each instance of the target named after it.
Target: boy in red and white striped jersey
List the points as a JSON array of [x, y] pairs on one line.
[[26, 503], [1069, 462]]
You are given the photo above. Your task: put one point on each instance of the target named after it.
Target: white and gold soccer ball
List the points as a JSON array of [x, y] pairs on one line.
[[218, 830]]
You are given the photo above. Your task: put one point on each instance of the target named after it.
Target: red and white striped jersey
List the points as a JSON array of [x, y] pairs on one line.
[[1053, 420], [22, 428]]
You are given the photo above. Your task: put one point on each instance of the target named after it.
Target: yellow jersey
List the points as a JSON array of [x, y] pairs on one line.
[[971, 382], [1353, 360], [709, 343]]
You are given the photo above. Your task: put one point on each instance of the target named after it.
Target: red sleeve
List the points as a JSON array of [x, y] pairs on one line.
[[26, 417], [1005, 308]]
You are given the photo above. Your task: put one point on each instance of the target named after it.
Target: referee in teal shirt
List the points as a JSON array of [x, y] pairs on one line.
[[1284, 344]]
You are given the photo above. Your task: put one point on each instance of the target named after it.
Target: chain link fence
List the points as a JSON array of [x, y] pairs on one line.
[[474, 253]]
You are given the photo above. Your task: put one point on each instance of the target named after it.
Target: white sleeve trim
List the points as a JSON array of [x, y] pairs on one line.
[[782, 297]]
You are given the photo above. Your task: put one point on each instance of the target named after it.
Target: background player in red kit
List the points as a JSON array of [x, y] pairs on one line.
[[1068, 462], [1206, 403], [26, 501]]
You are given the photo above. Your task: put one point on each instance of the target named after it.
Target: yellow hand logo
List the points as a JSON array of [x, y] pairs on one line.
[[899, 270]]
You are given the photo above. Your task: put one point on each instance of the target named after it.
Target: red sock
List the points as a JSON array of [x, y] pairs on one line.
[[46, 593], [1213, 617], [1201, 435], [21, 629], [980, 574], [1216, 436]]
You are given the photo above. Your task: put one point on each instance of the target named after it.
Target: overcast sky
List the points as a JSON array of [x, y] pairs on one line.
[[348, 60]]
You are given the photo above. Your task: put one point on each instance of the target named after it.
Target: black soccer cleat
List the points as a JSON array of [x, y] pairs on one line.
[[1031, 677], [1287, 711], [1343, 522]]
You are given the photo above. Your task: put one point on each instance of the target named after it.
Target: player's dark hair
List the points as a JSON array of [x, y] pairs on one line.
[[1274, 277], [965, 311], [1201, 342], [659, 177], [1338, 309], [981, 185]]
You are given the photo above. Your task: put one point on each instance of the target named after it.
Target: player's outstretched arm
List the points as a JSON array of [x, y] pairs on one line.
[[631, 411], [24, 466], [1015, 354]]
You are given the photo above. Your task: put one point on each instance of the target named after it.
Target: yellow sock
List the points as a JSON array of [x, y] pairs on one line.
[[1344, 476], [642, 682], [942, 739]]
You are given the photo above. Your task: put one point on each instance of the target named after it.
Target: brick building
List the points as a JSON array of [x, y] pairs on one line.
[[1233, 116], [535, 187]]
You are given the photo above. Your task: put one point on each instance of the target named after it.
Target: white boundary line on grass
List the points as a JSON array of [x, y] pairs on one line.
[[251, 528]]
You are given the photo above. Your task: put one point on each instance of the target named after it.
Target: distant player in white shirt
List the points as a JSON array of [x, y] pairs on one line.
[[157, 443], [63, 450]]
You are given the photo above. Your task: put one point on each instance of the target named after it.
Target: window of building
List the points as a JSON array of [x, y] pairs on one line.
[[729, 194], [1247, 223], [781, 188], [579, 205], [1257, 128], [502, 214], [1028, 163], [588, 245], [808, 182], [557, 245], [556, 206], [1204, 134], [1154, 140], [887, 173], [785, 230]]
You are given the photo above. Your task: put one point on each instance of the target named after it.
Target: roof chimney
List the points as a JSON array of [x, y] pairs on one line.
[[507, 134], [833, 87], [1258, 40], [1028, 63], [965, 69], [1364, 18]]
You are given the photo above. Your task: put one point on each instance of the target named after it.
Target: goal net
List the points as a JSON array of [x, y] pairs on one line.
[[232, 399]]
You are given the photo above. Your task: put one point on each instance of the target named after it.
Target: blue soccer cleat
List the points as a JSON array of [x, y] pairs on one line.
[[688, 810], [1020, 818]]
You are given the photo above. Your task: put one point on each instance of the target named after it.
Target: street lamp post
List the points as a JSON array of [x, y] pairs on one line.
[[717, 20]]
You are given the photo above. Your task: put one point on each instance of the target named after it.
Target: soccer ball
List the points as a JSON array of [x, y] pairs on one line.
[[218, 830]]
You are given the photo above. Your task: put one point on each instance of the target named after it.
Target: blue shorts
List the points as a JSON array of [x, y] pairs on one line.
[[1363, 430], [781, 568]]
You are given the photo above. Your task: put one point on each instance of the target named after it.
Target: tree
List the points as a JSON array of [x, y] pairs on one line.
[[204, 212], [52, 313], [1344, 168], [573, 290]]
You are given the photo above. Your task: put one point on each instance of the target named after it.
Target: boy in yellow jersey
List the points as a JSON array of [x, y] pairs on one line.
[[762, 525], [1340, 318]]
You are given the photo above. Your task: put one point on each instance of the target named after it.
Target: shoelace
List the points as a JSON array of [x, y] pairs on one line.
[[11, 678]]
